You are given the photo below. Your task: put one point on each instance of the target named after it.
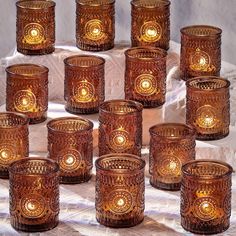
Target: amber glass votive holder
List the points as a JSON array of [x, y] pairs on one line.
[[171, 146], [120, 187], [84, 84], [35, 27], [70, 144], [208, 107], [34, 194], [95, 24], [14, 140], [145, 75], [206, 196], [200, 51], [27, 91], [120, 127], [150, 23]]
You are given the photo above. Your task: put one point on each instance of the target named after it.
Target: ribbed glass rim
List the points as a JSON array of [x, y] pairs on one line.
[[150, 3], [95, 3], [25, 119], [22, 4], [185, 30]]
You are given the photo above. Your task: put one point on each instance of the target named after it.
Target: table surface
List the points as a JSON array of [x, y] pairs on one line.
[[77, 207]]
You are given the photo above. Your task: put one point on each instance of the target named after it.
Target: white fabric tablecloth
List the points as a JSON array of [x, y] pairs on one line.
[[77, 215]]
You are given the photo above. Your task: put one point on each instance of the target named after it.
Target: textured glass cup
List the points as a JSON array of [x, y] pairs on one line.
[[95, 24], [120, 187], [150, 24], [35, 27], [70, 144], [120, 127], [84, 84], [27, 91], [206, 196], [34, 194], [208, 107], [145, 75], [14, 140], [171, 145], [200, 51]]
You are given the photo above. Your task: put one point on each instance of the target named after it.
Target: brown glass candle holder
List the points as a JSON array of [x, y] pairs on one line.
[[120, 127], [70, 144], [14, 140], [84, 84], [145, 75], [120, 187], [95, 24], [208, 107], [27, 91], [206, 196], [35, 27], [171, 146], [200, 51], [150, 24], [34, 194]]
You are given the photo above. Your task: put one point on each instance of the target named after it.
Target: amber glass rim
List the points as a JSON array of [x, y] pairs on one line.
[[43, 70], [160, 53], [189, 83], [191, 131], [121, 156], [144, 4], [102, 61], [185, 29], [136, 105], [195, 162], [47, 161], [70, 118], [20, 115], [95, 3], [21, 4]]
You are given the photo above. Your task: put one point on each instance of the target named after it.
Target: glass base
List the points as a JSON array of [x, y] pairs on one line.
[[38, 120], [95, 48], [148, 104], [211, 137], [4, 174], [165, 186], [34, 228], [75, 179], [43, 51], [76, 111]]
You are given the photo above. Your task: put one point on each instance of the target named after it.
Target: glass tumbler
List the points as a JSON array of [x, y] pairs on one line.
[[206, 196], [120, 187]]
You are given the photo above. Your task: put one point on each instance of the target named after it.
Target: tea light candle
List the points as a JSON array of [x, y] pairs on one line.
[[27, 91], [206, 196], [171, 145], [200, 51], [207, 107], [150, 25], [95, 24], [70, 144], [120, 127], [35, 27], [120, 186], [84, 83], [14, 140], [145, 75], [34, 194]]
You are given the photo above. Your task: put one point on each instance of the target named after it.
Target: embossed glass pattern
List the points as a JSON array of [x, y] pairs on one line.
[[120, 187], [95, 24], [206, 196], [34, 194], [84, 83], [145, 75], [150, 24], [70, 144], [27, 91], [200, 51], [14, 141], [171, 145], [208, 107], [120, 127], [35, 27]]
